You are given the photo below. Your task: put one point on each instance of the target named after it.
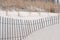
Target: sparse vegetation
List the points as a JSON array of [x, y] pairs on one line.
[[19, 4]]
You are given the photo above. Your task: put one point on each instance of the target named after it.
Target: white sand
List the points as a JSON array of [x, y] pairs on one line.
[[48, 33]]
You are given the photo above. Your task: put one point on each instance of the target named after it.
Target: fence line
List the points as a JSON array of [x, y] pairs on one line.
[[18, 29]]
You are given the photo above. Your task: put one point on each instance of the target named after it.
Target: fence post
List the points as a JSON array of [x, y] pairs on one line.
[[58, 18]]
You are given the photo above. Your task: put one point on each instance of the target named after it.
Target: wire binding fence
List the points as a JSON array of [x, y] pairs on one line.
[[18, 29]]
